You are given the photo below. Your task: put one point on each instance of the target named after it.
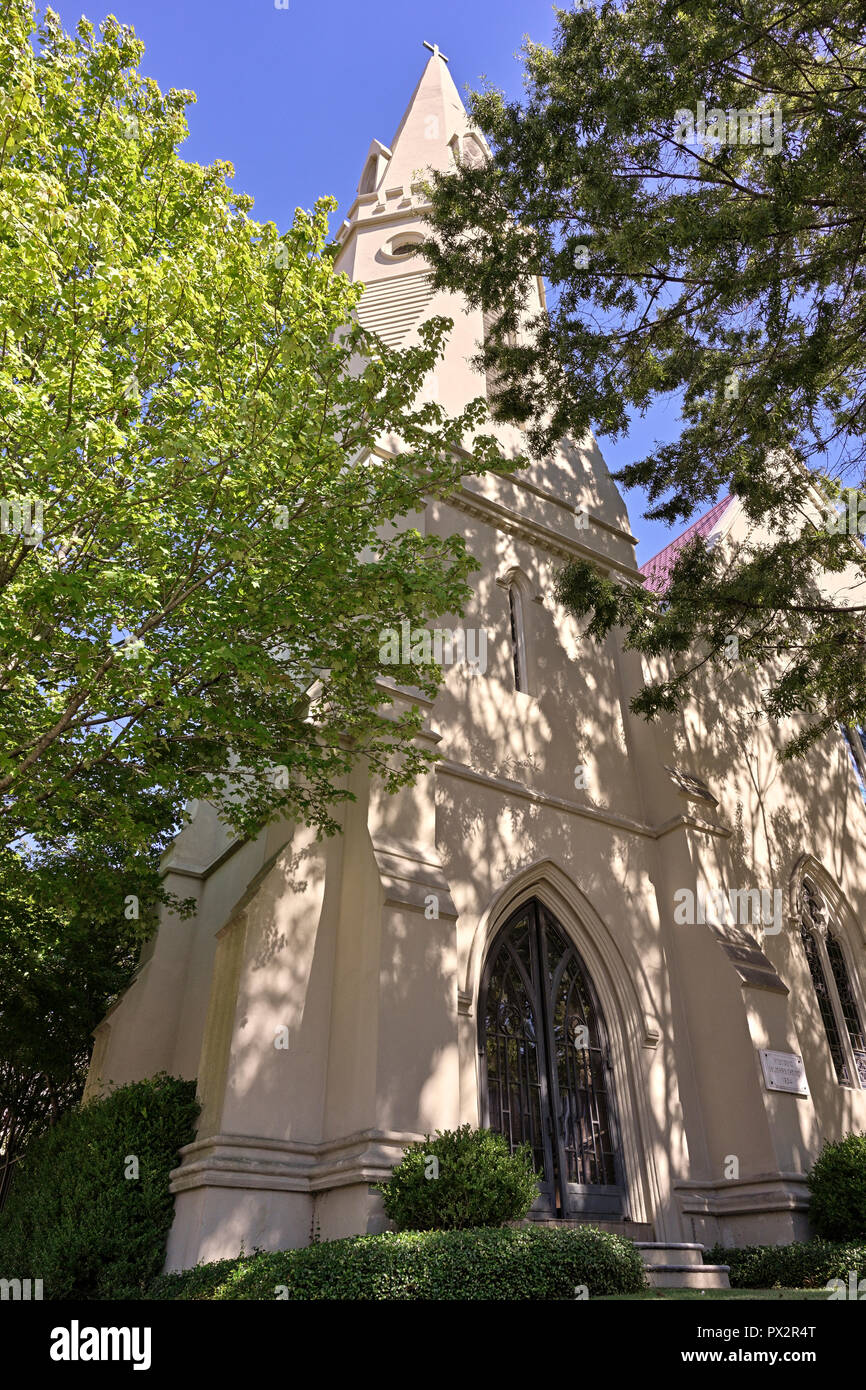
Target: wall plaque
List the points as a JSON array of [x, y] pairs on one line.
[[783, 1071]]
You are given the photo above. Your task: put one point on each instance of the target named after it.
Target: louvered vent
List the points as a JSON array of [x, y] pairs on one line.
[[490, 375], [391, 307]]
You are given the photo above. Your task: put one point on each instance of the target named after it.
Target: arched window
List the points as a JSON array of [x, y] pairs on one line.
[[545, 1070], [833, 987], [855, 738], [377, 161], [403, 246], [473, 152], [370, 176], [518, 637]]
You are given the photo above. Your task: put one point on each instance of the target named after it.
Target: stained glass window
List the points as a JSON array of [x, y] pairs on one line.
[[833, 987]]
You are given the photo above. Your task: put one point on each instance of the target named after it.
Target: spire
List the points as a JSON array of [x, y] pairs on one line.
[[434, 116], [386, 218], [431, 134]]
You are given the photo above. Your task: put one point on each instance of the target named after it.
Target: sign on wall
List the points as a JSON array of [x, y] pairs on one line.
[[784, 1071]]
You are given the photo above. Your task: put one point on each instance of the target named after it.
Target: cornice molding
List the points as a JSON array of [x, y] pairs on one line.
[[501, 518], [536, 532], [576, 808], [689, 821], [567, 506], [411, 206], [289, 1165], [742, 1196]]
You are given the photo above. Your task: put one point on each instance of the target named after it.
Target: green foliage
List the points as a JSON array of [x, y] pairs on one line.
[[801, 1265], [186, 395], [73, 1219], [60, 968], [462, 1178], [203, 558], [837, 1183], [525, 1263], [724, 276]]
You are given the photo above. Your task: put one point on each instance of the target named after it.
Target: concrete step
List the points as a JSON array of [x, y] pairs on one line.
[[657, 1252], [669, 1264], [679, 1276], [637, 1231], [680, 1265]]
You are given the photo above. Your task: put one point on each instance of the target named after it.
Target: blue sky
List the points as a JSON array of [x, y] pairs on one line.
[[292, 97]]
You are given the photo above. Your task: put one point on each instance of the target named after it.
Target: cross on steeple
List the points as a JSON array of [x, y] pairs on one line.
[[434, 49]]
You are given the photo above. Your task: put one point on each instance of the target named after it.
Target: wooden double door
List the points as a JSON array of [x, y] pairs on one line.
[[545, 1066]]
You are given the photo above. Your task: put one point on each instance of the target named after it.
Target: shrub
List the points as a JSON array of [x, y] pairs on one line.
[[801, 1265], [523, 1263], [837, 1183], [73, 1219], [460, 1179], [202, 1282]]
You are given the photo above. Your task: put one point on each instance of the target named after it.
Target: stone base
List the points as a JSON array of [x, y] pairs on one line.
[[655, 1252], [220, 1223], [688, 1276], [681, 1266], [769, 1209], [232, 1191]]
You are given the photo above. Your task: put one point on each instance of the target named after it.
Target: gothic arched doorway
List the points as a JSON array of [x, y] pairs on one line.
[[545, 1069]]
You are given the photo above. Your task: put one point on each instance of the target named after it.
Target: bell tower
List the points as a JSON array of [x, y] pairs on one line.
[[385, 224]]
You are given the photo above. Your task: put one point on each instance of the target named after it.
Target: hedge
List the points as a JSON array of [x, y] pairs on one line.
[[73, 1217], [802, 1265], [484, 1263]]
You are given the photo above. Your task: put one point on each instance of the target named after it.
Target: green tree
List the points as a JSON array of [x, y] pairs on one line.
[[61, 965], [204, 464], [690, 179], [206, 455]]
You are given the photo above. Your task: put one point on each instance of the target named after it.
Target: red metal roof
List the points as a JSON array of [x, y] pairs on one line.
[[657, 571]]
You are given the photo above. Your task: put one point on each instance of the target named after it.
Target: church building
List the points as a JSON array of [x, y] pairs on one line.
[[637, 946]]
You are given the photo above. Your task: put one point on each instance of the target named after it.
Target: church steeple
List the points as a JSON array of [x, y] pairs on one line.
[[386, 221], [433, 134], [434, 117]]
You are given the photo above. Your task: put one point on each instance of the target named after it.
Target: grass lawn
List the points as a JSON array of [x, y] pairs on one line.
[[704, 1295]]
